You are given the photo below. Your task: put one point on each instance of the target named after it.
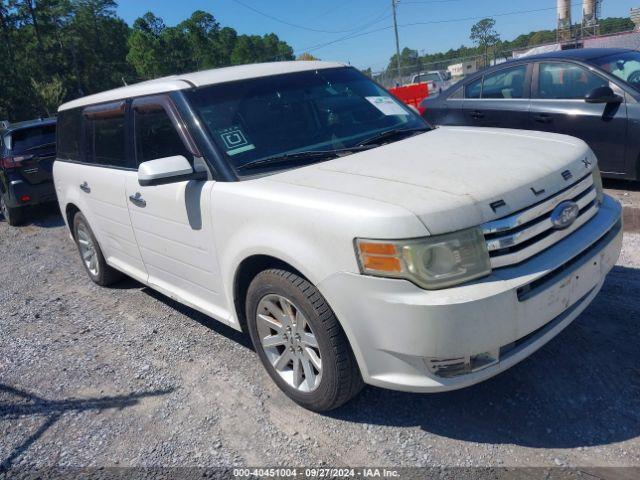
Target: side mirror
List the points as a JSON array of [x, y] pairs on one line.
[[167, 170], [602, 95]]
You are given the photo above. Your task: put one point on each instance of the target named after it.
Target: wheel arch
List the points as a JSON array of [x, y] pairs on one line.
[[70, 212], [246, 271]]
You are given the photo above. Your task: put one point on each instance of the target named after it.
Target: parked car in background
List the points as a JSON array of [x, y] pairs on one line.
[[437, 80], [27, 153], [592, 94], [302, 203]]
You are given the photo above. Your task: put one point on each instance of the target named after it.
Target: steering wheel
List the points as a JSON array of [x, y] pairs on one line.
[[634, 78]]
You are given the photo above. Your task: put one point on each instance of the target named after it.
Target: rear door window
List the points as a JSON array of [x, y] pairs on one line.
[[105, 137], [566, 81], [506, 83]]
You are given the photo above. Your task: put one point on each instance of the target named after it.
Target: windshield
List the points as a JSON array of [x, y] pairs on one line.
[[318, 110], [33, 139], [625, 66]]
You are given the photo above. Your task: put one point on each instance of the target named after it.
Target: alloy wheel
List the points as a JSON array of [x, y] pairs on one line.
[[289, 343], [88, 250]]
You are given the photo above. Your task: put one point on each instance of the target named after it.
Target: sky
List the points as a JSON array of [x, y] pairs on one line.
[[323, 27]]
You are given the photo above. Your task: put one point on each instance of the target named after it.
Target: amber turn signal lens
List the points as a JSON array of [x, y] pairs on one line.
[[382, 264], [377, 248]]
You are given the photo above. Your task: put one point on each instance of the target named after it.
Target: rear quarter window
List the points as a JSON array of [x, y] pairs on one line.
[[69, 134], [474, 89]]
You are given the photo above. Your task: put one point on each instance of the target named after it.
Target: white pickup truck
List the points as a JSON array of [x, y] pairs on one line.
[[300, 202], [437, 80]]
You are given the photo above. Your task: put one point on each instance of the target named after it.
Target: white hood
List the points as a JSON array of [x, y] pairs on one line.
[[449, 177]]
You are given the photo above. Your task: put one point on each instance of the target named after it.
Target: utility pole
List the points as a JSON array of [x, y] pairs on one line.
[[394, 4]]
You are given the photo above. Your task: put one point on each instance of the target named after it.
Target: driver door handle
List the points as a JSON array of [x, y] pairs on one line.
[[477, 114], [137, 200], [543, 118], [84, 186]]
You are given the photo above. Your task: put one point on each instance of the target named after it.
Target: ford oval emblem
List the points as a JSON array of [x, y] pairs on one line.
[[564, 215]]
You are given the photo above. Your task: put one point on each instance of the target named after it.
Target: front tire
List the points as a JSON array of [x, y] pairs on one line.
[[91, 255], [300, 342], [13, 215]]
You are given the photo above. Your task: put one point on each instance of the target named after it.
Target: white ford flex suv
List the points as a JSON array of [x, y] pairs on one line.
[[300, 202]]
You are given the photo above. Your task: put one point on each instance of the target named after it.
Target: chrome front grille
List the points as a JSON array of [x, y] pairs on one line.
[[515, 238]]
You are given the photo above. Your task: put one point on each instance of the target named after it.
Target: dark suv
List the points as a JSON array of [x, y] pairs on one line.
[[27, 152]]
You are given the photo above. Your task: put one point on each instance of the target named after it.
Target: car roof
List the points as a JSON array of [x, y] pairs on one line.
[[199, 79], [583, 54], [12, 127]]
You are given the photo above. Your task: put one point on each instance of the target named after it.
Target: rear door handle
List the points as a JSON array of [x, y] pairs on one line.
[[85, 187], [543, 118], [137, 200], [477, 114]]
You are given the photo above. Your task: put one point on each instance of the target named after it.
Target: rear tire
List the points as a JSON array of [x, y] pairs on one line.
[[309, 358], [14, 216], [91, 255]]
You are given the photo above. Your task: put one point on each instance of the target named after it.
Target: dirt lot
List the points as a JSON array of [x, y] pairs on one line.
[[126, 377]]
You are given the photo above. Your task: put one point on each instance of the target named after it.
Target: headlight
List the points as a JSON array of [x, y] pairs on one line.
[[597, 183], [435, 262]]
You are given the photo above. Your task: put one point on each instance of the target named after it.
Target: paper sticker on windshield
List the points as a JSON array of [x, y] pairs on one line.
[[387, 105], [235, 141]]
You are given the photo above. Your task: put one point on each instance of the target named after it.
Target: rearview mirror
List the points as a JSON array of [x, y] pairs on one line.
[[167, 170], [602, 95]]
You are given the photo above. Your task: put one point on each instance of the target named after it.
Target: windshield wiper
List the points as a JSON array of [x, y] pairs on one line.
[[389, 134], [37, 147], [308, 155]]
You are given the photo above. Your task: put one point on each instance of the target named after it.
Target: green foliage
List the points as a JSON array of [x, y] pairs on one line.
[[614, 25], [56, 50], [306, 57], [50, 94], [484, 35]]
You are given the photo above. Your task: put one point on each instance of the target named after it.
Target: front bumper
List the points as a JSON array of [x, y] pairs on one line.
[[39, 193], [397, 330]]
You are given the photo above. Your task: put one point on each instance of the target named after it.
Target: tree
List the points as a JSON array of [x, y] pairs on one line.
[[201, 32], [484, 35], [306, 57], [50, 94], [57, 50]]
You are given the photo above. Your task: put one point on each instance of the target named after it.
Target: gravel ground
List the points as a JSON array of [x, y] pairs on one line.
[[628, 194], [126, 377]]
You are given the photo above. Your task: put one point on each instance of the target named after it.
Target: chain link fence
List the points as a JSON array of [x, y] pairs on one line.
[[459, 67], [462, 66]]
